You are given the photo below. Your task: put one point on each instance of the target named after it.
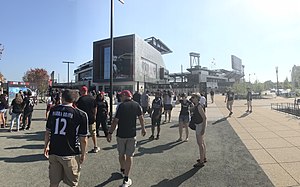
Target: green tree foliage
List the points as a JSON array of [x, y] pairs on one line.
[[269, 85], [287, 84], [2, 79], [258, 87], [39, 76]]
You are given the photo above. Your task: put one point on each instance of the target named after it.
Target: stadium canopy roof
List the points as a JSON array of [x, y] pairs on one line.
[[158, 45]]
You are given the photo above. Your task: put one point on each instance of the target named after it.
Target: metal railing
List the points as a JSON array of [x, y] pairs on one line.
[[290, 108]]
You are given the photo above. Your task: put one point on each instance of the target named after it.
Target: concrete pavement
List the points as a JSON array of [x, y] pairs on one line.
[[259, 149]]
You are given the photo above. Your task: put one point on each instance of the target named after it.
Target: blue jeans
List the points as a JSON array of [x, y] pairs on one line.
[[13, 117]]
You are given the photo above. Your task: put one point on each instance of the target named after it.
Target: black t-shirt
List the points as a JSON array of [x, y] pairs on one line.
[[249, 96], [156, 106], [102, 108], [230, 96], [66, 124], [137, 97], [212, 93], [185, 107], [16, 108], [29, 104], [127, 113], [87, 103]]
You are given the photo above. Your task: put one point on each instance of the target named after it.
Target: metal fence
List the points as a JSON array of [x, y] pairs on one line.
[[290, 108]]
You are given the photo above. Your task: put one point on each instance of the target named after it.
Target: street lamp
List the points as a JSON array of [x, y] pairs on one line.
[[277, 79], [111, 56], [65, 62]]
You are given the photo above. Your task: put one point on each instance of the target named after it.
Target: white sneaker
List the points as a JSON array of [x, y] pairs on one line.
[[127, 184]]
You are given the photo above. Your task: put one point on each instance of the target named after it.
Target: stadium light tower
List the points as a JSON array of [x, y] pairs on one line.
[[65, 62], [111, 56]]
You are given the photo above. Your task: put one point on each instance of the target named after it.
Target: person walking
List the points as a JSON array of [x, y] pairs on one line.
[[16, 110], [145, 102], [88, 104], [229, 98], [184, 116], [102, 113], [212, 95], [66, 149], [249, 100], [3, 107], [199, 118], [157, 106], [167, 100], [137, 97], [28, 109], [125, 118]]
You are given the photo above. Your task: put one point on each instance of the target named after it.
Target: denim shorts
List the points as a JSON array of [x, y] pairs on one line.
[[184, 118]]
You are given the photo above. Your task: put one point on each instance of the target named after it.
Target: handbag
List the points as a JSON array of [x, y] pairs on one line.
[[192, 125]]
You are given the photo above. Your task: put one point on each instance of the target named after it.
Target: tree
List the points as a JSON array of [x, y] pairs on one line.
[[2, 79], [287, 84], [39, 77], [268, 85]]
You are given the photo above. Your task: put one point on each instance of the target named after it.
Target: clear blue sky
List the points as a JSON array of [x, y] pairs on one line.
[[43, 33]]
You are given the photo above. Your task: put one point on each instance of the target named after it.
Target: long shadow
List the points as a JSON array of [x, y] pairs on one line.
[[142, 142], [157, 149], [24, 158], [27, 147], [177, 181], [38, 119], [244, 115], [109, 148], [114, 176], [220, 120], [146, 127], [31, 136], [174, 125]]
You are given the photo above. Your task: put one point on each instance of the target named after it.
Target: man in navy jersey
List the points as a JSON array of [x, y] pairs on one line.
[[66, 149], [125, 118]]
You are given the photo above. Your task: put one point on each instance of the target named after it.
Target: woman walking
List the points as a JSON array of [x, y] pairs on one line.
[[199, 118], [16, 109], [184, 116]]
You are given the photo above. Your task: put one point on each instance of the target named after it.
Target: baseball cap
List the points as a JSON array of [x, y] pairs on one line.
[[84, 88], [102, 93], [126, 93]]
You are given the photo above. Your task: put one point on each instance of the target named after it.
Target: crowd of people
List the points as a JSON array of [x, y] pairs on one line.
[[20, 109], [79, 115]]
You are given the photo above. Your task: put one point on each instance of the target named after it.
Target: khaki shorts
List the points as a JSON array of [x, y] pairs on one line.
[[199, 128], [66, 168], [92, 129], [126, 146]]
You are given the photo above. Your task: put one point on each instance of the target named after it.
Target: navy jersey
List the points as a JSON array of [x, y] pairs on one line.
[[156, 106], [185, 107], [66, 124]]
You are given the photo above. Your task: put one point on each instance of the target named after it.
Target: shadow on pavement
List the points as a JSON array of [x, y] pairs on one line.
[[174, 126], [24, 158], [157, 149], [114, 176], [27, 147], [177, 181], [220, 120], [29, 136], [109, 148], [244, 115], [39, 119]]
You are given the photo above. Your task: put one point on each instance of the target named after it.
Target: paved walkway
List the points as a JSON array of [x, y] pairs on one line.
[[270, 157], [273, 138]]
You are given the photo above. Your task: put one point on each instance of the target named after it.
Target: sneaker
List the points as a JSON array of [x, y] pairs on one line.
[[95, 150], [186, 140], [230, 113], [22, 129], [247, 110], [250, 111], [157, 137], [127, 183], [179, 140], [28, 128], [151, 137], [199, 164]]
